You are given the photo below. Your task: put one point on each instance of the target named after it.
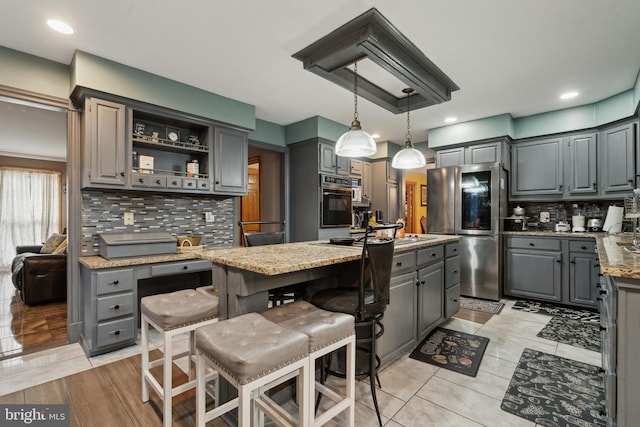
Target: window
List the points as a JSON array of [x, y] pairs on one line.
[[29, 209]]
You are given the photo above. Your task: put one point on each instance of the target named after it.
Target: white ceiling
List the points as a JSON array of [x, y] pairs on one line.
[[507, 56]]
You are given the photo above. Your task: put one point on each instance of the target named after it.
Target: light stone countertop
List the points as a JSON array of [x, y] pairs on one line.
[[272, 259], [614, 259], [290, 257]]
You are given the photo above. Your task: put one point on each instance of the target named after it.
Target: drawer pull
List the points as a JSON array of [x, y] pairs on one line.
[[584, 248], [185, 267], [140, 180], [115, 282], [399, 264], [433, 255], [455, 250], [602, 328], [116, 332], [454, 271], [116, 307], [174, 182], [532, 244], [158, 181], [455, 300]]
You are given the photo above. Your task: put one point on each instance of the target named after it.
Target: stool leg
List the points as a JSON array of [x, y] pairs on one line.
[[144, 332], [351, 382], [192, 352], [201, 391], [373, 372], [167, 368], [244, 406]]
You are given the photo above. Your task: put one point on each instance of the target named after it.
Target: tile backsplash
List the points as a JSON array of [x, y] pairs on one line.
[[179, 215], [590, 209]]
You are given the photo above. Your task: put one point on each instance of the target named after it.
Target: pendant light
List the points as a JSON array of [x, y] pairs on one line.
[[355, 142], [408, 157]]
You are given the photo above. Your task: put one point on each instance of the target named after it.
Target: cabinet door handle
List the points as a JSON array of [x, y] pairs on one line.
[[573, 261], [217, 182], [560, 187], [454, 271], [594, 185], [584, 248], [630, 181], [121, 173], [559, 261], [455, 300]]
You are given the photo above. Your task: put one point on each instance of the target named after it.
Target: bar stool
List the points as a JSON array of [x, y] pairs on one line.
[[172, 314], [254, 355], [327, 331], [367, 301]]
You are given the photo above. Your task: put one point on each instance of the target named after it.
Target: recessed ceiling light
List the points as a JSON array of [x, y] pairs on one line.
[[451, 120], [568, 95], [60, 26], [375, 135]]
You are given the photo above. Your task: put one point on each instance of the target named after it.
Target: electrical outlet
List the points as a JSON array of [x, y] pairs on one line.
[[545, 217], [209, 217], [128, 218]]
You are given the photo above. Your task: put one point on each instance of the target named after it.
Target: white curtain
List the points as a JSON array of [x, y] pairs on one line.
[[29, 209]]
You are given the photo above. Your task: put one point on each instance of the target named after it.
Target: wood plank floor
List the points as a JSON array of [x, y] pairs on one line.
[[26, 329], [110, 396]]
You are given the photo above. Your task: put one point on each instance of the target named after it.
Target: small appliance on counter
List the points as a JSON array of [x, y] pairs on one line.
[[517, 221], [578, 223], [594, 225]]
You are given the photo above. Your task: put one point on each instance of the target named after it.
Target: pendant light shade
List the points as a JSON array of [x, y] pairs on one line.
[[355, 142], [408, 157]]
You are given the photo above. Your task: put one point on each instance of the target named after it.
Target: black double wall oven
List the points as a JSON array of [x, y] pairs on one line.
[[335, 201]]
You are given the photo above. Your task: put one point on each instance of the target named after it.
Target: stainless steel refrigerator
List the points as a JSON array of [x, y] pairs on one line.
[[470, 201]]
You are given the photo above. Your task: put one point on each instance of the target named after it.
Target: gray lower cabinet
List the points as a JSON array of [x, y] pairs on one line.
[[418, 297], [430, 298], [109, 306], [399, 319], [584, 270], [620, 326], [533, 268], [110, 298], [553, 269]]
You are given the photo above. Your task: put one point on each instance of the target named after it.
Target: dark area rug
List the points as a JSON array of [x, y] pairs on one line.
[[572, 332], [484, 306], [452, 350], [552, 391], [583, 315]]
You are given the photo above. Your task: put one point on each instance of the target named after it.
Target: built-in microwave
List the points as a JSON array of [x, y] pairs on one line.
[[335, 201]]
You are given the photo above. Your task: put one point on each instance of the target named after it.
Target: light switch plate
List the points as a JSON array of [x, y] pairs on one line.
[[128, 218], [544, 217]]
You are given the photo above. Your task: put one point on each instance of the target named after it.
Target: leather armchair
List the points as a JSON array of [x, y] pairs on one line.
[[39, 278]]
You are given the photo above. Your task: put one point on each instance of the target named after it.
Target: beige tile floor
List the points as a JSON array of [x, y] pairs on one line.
[[413, 393]]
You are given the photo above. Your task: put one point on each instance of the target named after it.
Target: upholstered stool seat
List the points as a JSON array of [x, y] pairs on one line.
[[210, 291], [253, 354], [172, 314], [327, 332]]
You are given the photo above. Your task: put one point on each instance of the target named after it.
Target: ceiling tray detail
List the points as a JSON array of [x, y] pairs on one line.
[[372, 36]]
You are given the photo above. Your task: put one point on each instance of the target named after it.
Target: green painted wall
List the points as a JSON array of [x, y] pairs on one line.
[[269, 133], [314, 127], [101, 74], [23, 71], [473, 130], [614, 108]]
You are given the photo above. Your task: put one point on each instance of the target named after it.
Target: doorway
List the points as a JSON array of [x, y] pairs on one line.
[[250, 204], [410, 203]]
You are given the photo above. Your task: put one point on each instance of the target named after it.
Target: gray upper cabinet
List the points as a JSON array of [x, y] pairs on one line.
[[330, 163], [537, 168], [230, 161], [581, 165], [450, 157], [475, 153], [367, 192], [105, 144], [356, 167], [617, 163], [385, 190]]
